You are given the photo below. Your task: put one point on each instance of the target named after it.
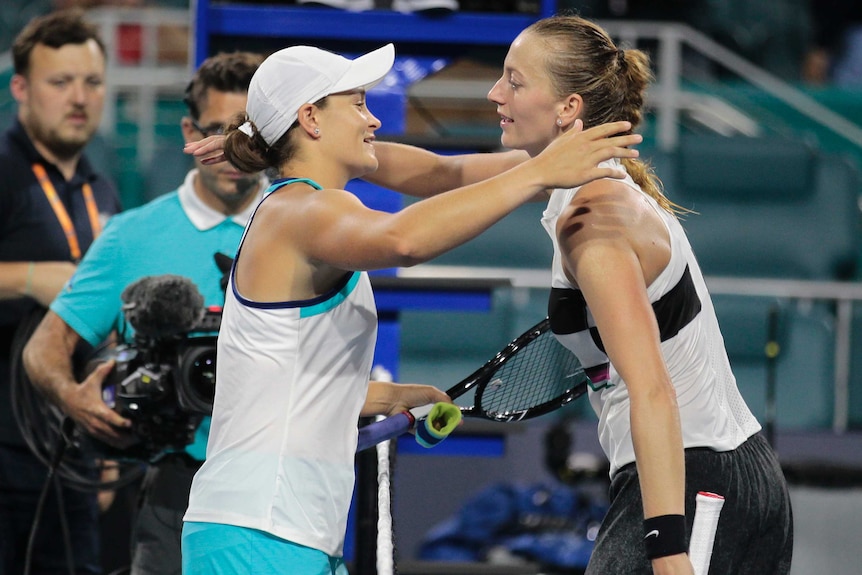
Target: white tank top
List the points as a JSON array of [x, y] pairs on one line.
[[292, 378], [712, 412]]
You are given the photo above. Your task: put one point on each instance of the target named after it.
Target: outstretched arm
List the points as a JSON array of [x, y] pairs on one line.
[[412, 170], [418, 172], [350, 236]]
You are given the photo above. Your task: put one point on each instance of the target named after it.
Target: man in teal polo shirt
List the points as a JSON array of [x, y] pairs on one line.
[[179, 233]]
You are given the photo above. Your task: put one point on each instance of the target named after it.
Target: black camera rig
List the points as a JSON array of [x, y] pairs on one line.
[[163, 380], [164, 385]]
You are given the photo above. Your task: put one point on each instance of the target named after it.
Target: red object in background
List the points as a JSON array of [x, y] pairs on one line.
[[129, 46]]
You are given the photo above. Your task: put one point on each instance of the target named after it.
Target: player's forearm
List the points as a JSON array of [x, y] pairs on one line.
[[661, 471], [387, 398], [378, 399], [478, 167], [412, 171], [427, 229], [659, 452], [420, 173]]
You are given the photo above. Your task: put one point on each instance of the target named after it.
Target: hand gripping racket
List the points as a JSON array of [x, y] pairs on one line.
[[531, 376]]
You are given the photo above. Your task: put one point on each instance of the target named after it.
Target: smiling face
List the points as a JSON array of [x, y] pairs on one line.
[[349, 126], [525, 97], [221, 186], [60, 100]]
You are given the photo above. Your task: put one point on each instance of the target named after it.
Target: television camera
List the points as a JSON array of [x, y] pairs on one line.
[[164, 380]]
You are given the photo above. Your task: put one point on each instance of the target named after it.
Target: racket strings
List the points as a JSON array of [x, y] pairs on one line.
[[541, 372]]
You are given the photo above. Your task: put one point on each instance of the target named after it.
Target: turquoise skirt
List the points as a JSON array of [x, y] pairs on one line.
[[218, 549]]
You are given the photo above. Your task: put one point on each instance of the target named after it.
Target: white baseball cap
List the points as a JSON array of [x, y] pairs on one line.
[[299, 75]]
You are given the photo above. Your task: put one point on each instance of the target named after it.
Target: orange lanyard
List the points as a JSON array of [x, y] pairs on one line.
[[63, 215]]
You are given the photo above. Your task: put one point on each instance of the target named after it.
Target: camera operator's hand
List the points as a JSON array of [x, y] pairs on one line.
[[48, 362], [84, 404]]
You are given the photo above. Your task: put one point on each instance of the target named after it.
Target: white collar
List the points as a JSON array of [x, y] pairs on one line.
[[204, 217]]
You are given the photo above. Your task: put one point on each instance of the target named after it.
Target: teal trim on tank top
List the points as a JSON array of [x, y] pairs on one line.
[[279, 183], [341, 294], [336, 299]]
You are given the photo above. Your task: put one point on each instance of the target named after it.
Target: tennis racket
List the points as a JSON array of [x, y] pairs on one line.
[[533, 375], [706, 512]]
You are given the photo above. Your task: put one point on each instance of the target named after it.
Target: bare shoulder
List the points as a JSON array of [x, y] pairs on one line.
[[610, 210], [604, 205], [299, 200], [610, 217]]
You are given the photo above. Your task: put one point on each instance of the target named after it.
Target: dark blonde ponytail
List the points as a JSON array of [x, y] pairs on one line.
[[612, 82]]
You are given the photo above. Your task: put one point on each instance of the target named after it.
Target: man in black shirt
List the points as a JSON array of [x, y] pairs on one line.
[[52, 206]]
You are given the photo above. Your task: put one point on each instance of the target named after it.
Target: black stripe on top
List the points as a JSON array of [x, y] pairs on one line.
[[567, 310]]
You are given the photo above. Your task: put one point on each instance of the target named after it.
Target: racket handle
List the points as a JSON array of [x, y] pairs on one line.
[[439, 421], [372, 434], [707, 510]]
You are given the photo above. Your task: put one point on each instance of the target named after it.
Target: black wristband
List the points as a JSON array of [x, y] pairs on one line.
[[664, 535]]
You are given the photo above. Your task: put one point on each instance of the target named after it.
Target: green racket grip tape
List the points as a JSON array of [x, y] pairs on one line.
[[441, 421]]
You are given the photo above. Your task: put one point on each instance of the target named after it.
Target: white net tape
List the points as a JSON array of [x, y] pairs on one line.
[[385, 546]]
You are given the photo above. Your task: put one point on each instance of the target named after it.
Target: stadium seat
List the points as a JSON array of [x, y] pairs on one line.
[[768, 207], [803, 369]]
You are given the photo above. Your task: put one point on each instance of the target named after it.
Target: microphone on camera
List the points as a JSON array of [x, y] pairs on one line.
[[163, 306]]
